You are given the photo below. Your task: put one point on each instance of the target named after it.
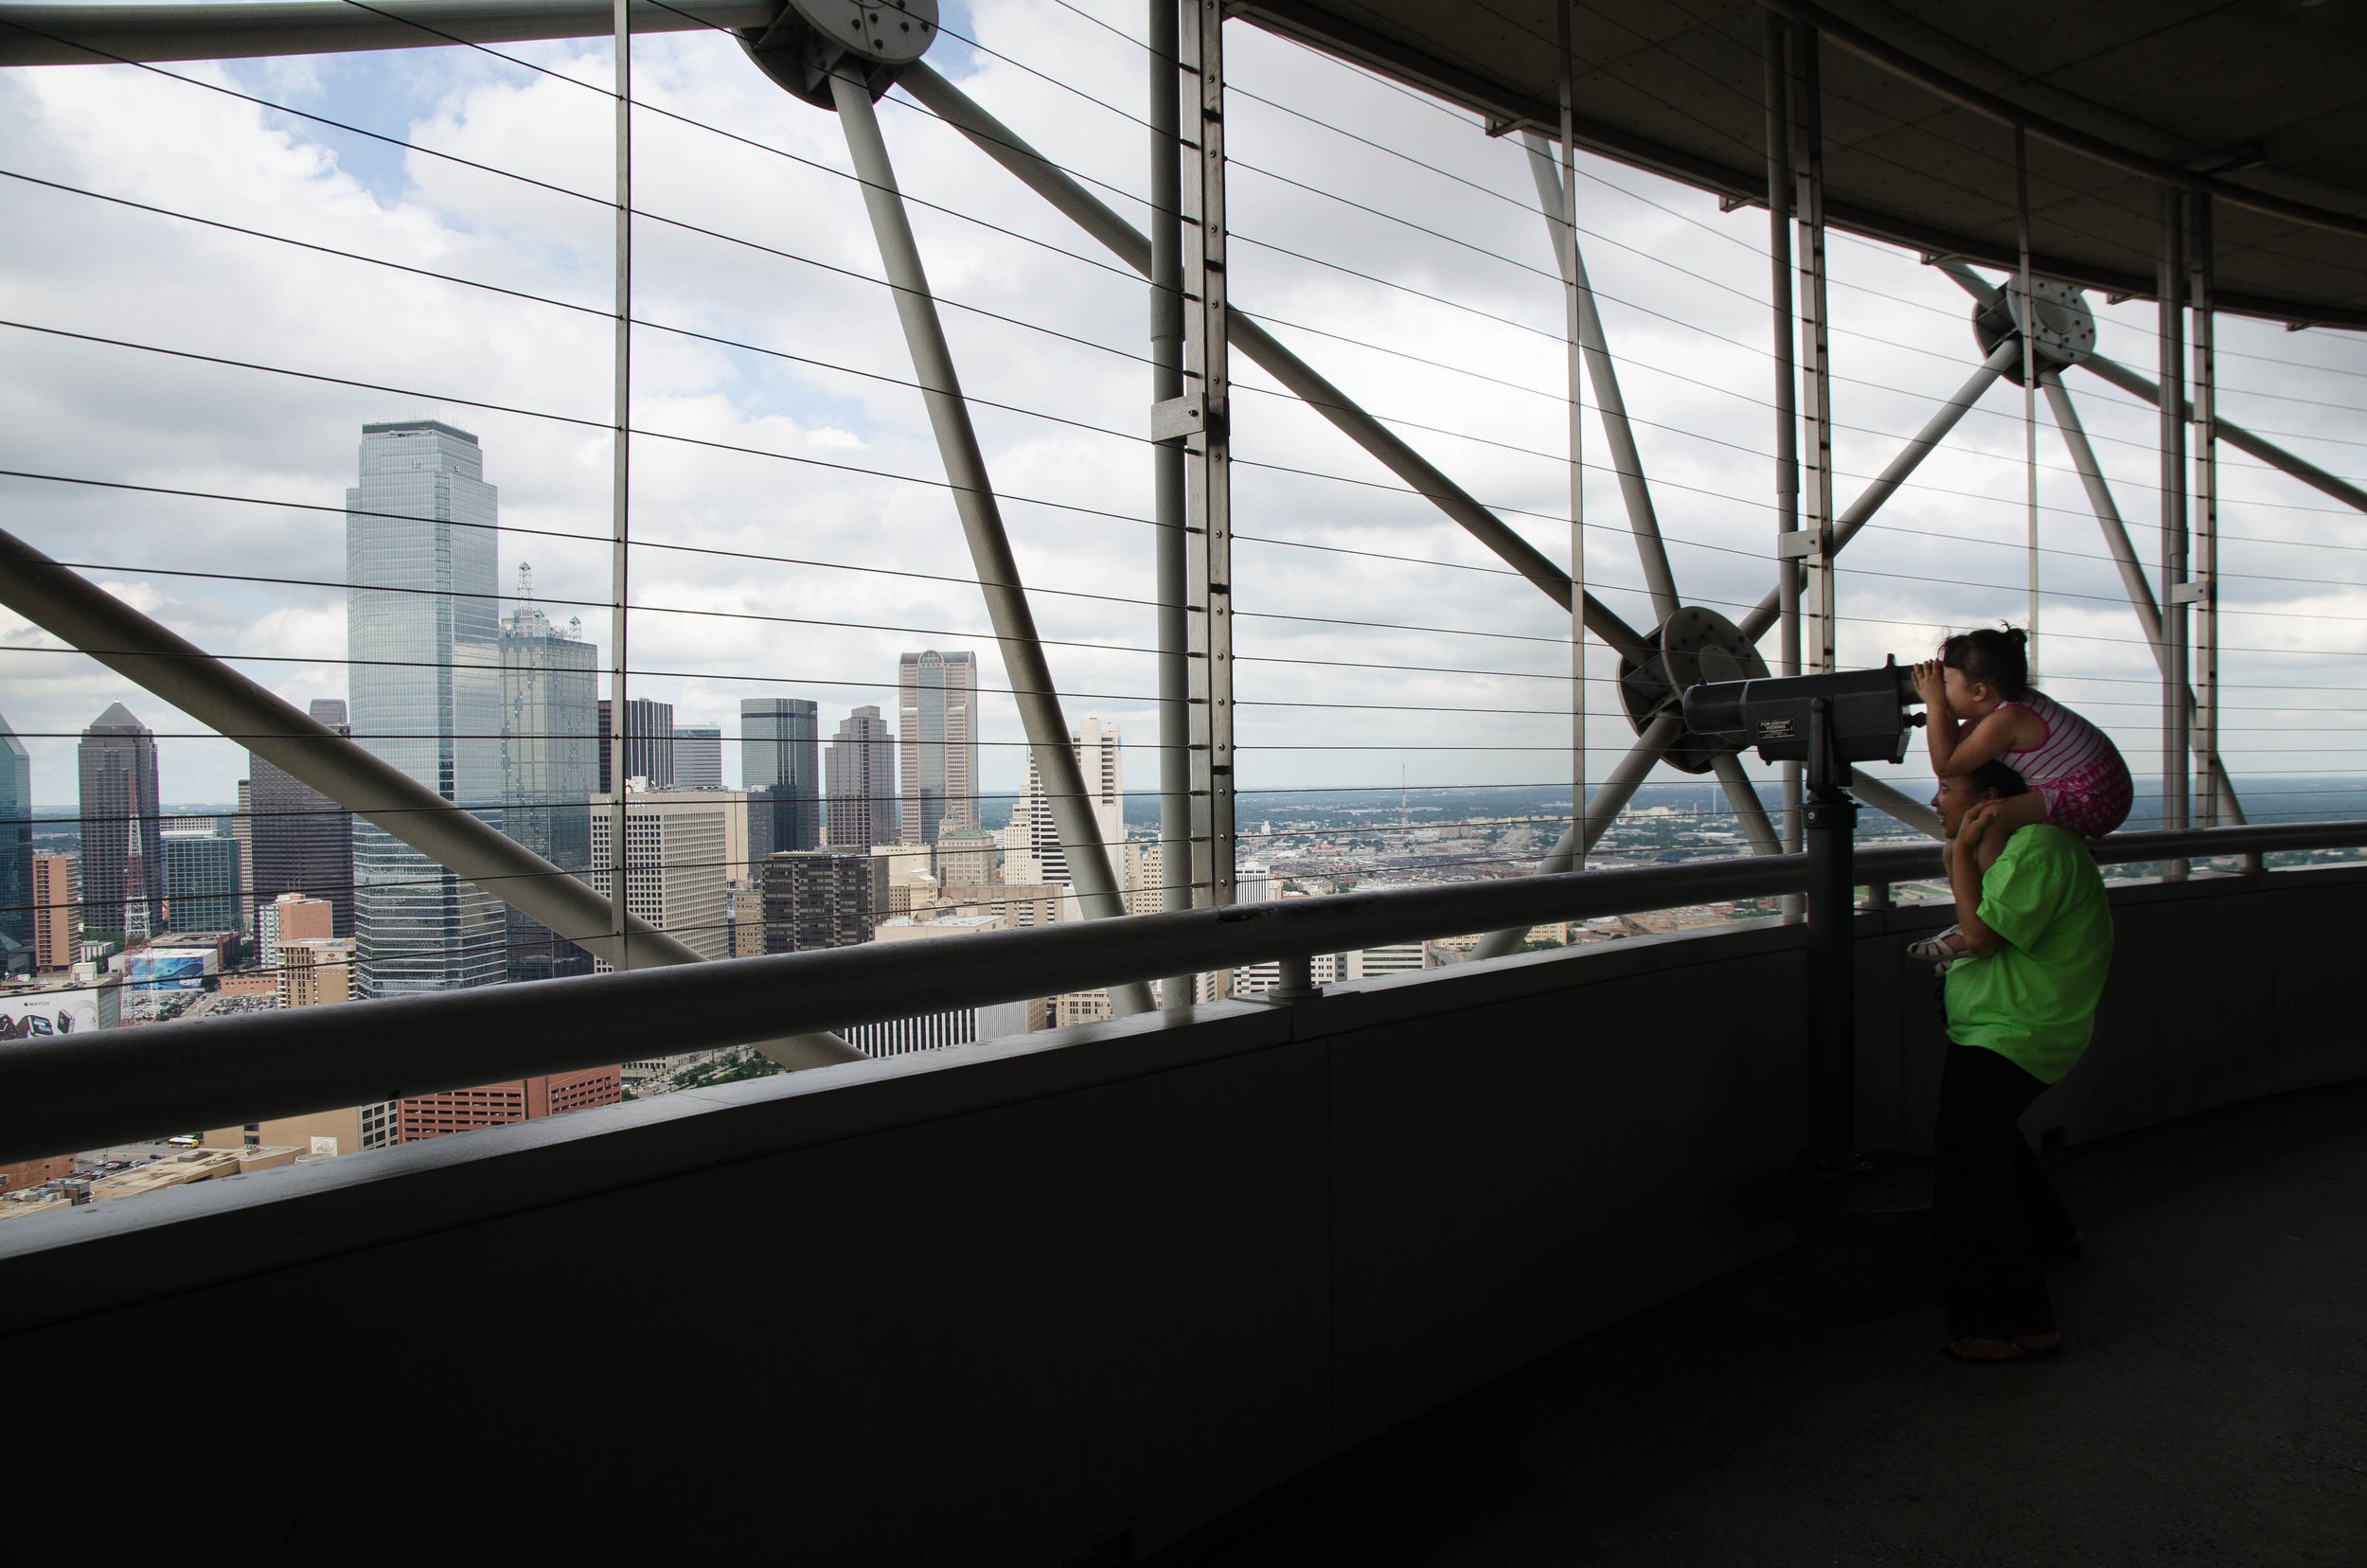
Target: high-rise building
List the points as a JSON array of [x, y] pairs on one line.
[[57, 909], [698, 756], [678, 860], [299, 840], [936, 698], [242, 834], [821, 898], [290, 917], [965, 858], [550, 767], [780, 767], [861, 782], [16, 853], [648, 742], [1034, 833], [201, 881], [421, 629], [123, 876], [315, 971]]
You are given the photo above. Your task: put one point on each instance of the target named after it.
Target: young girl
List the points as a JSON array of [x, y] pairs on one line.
[[1979, 707]]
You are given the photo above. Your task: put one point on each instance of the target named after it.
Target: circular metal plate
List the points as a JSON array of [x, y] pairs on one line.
[[1692, 646], [2066, 329], [887, 32]]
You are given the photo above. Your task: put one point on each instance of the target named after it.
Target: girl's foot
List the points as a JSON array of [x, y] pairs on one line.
[[1939, 949], [2021, 1348]]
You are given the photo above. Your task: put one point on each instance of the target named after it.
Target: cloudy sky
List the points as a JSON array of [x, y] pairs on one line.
[[794, 535]]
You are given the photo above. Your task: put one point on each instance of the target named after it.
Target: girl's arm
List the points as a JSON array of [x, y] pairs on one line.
[[1957, 751]]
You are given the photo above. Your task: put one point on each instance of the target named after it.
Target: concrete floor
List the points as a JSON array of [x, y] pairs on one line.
[[2210, 1407]]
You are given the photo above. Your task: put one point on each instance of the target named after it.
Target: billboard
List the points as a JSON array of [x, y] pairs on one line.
[[155, 969], [43, 1014]]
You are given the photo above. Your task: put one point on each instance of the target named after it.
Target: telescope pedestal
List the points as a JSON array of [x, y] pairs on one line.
[[1867, 1235]]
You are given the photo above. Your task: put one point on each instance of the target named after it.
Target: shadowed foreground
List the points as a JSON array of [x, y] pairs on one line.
[[2210, 1406]]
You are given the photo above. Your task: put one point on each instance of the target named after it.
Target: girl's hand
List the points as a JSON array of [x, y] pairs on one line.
[[1979, 823], [1932, 685]]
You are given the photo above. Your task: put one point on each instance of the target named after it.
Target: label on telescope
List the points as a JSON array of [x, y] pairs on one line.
[[1777, 729]]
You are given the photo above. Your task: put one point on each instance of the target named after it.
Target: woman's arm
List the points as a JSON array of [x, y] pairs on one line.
[[1964, 877]]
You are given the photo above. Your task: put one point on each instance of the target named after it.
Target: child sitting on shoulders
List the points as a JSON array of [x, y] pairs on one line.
[[1981, 708]]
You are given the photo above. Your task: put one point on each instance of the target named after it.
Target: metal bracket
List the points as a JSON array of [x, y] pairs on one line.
[[2198, 591], [1176, 419], [1801, 545]]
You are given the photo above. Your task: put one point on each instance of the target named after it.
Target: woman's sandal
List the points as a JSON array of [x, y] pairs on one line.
[[2021, 1351]]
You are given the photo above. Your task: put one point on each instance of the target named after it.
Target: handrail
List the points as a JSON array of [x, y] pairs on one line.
[[89, 1091]]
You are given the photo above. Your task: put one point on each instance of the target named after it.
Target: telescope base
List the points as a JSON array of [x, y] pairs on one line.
[[1868, 1237]]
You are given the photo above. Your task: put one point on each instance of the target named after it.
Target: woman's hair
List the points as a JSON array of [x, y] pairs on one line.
[[1994, 774], [1995, 658]]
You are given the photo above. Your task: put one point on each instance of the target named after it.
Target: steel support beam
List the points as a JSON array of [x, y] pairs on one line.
[[1750, 813], [2029, 321], [1885, 485], [1032, 690], [620, 491], [1777, 86], [1560, 206], [1819, 604], [84, 615], [1602, 809], [47, 34], [1005, 146], [1209, 464], [1171, 573], [2170, 284], [1894, 803], [2204, 582]]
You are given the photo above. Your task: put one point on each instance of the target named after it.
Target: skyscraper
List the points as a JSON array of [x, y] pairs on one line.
[[549, 687], [201, 881], [698, 756], [1035, 836], [123, 876], [299, 840], [780, 767], [420, 633], [859, 779], [649, 741], [821, 898], [937, 721], [16, 851]]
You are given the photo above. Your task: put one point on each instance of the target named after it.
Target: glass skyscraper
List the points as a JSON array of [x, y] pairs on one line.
[[425, 691], [123, 878], [780, 767], [549, 687], [937, 729], [16, 851]]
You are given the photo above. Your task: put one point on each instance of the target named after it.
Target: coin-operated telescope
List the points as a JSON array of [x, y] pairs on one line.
[[1829, 723]]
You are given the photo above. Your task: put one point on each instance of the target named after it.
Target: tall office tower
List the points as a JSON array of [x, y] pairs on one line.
[[698, 756], [242, 834], [780, 767], [123, 880], [550, 767], [420, 631], [16, 851], [821, 898], [57, 909], [678, 857], [648, 742], [1033, 831], [861, 782], [299, 840], [201, 881], [289, 917], [936, 708]]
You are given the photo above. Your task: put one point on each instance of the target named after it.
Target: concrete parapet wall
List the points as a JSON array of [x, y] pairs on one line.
[[1005, 1302]]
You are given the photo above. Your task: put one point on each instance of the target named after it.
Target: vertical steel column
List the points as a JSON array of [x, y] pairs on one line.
[[1817, 373], [2170, 282], [1786, 397], [1209, 468], [1574, 369], [2028, 316], [2204, 587], [1173, 572], [1049, 740], [620, 483]]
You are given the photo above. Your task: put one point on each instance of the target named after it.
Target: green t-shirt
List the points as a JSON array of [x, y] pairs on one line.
[[2034, 1000]]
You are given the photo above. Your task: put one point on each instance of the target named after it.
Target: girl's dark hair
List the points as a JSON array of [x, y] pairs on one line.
[[1995, 658], [1994, 774]]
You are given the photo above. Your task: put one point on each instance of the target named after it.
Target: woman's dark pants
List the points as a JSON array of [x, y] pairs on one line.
[[1993, 1214]]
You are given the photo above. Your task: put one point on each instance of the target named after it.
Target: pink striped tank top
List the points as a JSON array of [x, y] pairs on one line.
[[2074, 768]]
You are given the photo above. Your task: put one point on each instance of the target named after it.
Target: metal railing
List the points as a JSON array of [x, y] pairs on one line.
[[90, 1091]]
